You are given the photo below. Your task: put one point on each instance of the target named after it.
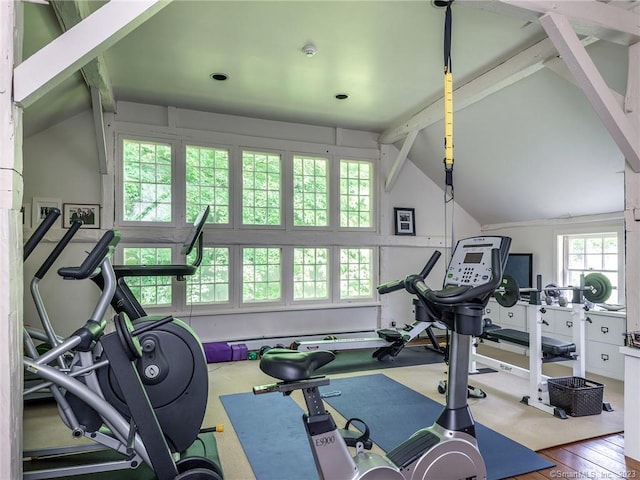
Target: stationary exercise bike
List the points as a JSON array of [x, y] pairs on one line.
[[447, 449]]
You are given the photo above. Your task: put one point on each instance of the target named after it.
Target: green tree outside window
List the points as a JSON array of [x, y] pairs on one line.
[[310, 192], [149, 291], [146, 184], [207, 183], [211, 282], [356, 272], [310, 273], [356, 194], [261, 187], [261, 274]]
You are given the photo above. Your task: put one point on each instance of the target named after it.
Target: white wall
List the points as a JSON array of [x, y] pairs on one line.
[[62, 162]]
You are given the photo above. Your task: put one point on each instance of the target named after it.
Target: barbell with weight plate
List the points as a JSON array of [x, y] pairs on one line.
[[597, 289]]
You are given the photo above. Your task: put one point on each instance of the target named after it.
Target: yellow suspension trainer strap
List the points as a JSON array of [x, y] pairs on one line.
[[448, 104]]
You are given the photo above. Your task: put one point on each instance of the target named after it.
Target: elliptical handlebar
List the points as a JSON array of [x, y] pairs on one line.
[[40, 232], [102, 250], [53, 256]]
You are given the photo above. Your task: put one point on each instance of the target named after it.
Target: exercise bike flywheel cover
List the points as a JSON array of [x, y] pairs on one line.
[[508, 292], [597, 287]]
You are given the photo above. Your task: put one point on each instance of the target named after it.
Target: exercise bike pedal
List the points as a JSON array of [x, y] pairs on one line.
[[353, 437]]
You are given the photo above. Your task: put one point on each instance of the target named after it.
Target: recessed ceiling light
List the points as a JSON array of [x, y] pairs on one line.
[[221, 77], [342, 96]]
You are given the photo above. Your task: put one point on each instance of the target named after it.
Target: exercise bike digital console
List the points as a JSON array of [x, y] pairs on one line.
[[448, 448]]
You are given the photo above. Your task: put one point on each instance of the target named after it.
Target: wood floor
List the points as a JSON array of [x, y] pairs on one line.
[[597, 458]]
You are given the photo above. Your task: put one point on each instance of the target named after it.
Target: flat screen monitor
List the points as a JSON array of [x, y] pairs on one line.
[[520, 267]]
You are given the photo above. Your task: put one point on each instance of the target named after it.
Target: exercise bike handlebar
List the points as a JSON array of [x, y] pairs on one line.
[[53, 256], [463, 293], [103, 249], [395, 285], [40, 232]]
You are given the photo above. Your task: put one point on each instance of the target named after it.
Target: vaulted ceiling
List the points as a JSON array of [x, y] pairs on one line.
[[528, 144]]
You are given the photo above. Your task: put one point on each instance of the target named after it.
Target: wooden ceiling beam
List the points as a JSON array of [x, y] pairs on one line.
[[615, 21], [594, 87], [620, 23], [76, 47], [606, 21], [95, 74], [507, 73]]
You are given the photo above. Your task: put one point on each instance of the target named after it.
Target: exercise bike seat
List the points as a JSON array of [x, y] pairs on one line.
[[292, 365]]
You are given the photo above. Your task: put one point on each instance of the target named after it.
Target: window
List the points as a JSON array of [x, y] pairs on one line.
[[356, 279], [260, 189], [211, 282], [207, 183], [356, 192], [591, 253], [149, 291], [261, 279], [146, 181], [310, 192], [310, 273], [164, 182]]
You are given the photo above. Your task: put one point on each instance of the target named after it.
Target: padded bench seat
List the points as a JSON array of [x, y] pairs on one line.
[[550, 346]]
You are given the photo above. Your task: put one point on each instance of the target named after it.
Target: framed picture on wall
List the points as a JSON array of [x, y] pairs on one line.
[[405, 221], [41, 207], [88, 213]]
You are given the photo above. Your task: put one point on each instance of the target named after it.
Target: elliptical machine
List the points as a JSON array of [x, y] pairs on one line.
[[447, 449], [79, 390], [177, 390]]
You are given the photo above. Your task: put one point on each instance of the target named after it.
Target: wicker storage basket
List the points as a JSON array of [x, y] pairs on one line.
[[577, 396]]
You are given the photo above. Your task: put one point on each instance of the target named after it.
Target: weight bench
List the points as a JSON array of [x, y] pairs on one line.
[[552, 348]]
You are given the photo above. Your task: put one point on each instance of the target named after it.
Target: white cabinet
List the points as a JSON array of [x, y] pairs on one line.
[[562, 324], [605, 336], [508, 317]]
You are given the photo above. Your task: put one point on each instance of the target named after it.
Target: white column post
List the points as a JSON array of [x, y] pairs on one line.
[[10, 246]]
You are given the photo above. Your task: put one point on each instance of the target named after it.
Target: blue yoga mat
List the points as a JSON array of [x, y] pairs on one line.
[[393, 412], [273, 437]]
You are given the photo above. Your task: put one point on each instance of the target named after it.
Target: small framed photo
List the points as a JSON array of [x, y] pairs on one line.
[[41, 208], [88, 213], [405, 221]]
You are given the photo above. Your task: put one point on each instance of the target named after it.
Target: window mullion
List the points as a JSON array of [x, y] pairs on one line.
[[178, 187], [286, 275]]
